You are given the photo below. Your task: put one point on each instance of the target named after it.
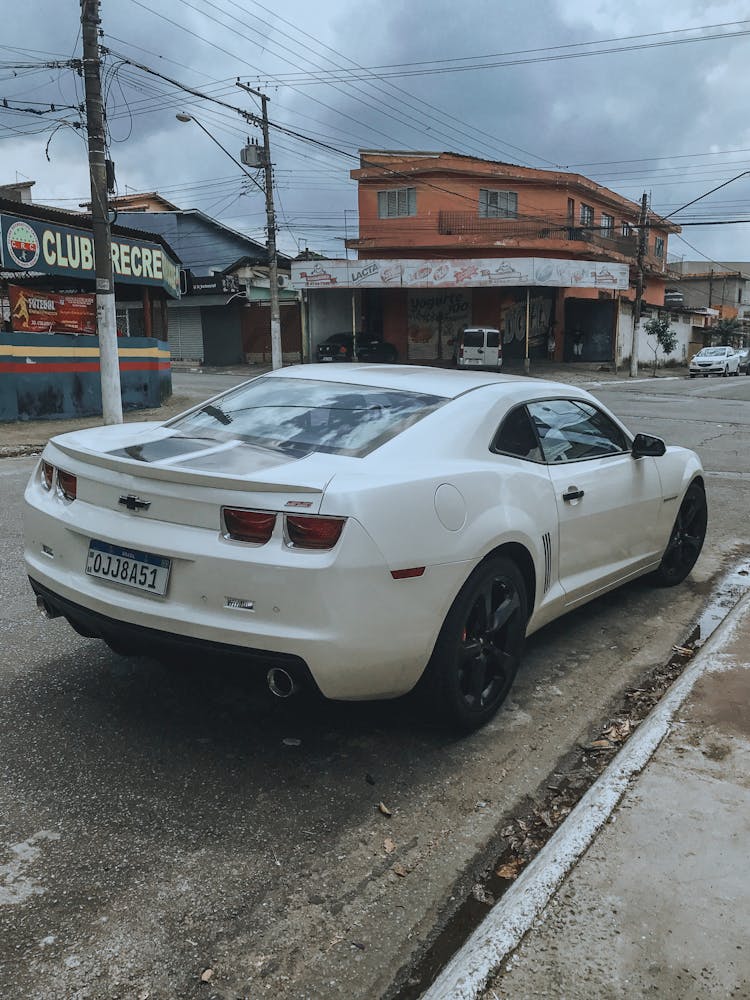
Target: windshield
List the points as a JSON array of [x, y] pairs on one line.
[[712, 352], [300, 416]]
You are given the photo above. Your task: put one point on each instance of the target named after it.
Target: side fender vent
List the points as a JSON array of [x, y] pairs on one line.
[[547, 544]]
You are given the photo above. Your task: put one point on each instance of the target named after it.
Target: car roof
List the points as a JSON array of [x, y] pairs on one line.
[[446, 382]]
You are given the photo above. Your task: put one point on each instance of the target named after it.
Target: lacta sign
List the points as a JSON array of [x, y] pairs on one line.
[[32, 246]]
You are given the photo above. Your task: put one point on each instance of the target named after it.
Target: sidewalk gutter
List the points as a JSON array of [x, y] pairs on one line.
[[467, 974]]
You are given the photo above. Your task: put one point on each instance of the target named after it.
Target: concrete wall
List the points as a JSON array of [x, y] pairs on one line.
[[56, 376], [685, 325]]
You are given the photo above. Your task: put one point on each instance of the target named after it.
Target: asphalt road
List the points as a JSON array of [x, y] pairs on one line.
[[155, 824]]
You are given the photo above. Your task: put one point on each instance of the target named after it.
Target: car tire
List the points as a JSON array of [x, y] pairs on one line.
[[686, 539], [478, 651], [725, 373]]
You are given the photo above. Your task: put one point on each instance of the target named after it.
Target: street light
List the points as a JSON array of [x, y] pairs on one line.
[[273, 276], [182, 117]]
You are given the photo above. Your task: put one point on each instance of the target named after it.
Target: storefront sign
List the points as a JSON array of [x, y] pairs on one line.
[[31, 245], [214, 284], [475, 273], [48, 312]]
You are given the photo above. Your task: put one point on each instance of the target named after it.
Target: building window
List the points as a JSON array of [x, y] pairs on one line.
[[608, 224], [587, 215], [397, 202], [571, 211], [739, 293], [498, 204], [627, 229], [659, 246]]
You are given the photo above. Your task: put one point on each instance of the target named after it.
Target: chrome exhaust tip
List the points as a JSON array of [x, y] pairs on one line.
[[45, 610], [281, 683]]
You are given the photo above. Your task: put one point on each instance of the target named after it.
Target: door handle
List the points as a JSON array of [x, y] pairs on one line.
[[572, 494]]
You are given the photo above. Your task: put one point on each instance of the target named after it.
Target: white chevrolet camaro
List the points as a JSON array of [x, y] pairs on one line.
[[360, 529]]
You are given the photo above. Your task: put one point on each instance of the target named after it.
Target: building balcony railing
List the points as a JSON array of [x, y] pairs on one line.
[[470, 224]]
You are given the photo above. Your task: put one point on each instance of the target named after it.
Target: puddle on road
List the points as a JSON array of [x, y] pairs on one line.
[[525, 833]]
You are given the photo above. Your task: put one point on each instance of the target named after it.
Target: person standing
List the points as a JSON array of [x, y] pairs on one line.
[[551, 345], [578, 344]]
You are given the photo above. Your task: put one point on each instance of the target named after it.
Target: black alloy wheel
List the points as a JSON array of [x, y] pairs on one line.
[[479, 648], [686, 541]]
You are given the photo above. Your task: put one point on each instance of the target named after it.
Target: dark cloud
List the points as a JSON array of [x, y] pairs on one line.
[[661, 103]]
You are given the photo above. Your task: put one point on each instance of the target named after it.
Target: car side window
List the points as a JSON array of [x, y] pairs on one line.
[[573, 430], [516, 436]]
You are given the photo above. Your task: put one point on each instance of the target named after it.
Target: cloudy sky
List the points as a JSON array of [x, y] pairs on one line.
[[636, 97]]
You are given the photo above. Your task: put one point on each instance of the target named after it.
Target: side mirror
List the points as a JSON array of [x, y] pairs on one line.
[[647, 445]]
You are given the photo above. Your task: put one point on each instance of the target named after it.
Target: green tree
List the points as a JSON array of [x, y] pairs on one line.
[[728, 331], [664, 337]]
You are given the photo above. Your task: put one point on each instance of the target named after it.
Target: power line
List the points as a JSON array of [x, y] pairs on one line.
[[402, 70]]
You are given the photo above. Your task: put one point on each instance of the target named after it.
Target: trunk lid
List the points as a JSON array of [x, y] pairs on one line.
[[186, 480]]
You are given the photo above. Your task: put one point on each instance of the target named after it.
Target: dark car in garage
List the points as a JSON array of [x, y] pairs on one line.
[[340, 347]]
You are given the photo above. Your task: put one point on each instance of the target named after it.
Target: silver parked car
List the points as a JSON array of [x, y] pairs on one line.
[[715, 361]]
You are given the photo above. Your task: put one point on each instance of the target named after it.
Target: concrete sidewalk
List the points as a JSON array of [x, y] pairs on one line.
[[659, 903]]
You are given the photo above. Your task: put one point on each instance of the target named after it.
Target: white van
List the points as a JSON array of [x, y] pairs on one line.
[[479, 347]]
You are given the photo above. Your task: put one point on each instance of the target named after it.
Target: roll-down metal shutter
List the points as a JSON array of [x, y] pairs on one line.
[[186, 334]]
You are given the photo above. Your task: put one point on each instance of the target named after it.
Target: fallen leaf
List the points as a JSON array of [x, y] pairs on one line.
[[389, 846], [369, 779], [599, 745], [682, 650], [144, 996], [400, 871], [206, 975], [358, 944], [384, 809], [510, 869]]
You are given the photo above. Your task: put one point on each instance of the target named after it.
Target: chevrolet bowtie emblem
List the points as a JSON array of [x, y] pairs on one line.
[[133, 502]]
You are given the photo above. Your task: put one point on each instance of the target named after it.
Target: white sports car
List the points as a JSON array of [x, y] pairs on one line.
[[362, 529]]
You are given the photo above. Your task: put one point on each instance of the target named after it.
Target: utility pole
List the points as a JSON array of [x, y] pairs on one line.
[[642, 242], [106, 323], [273, 273]]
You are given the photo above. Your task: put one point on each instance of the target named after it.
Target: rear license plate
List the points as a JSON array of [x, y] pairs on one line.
[[329, 358], [129, 567]]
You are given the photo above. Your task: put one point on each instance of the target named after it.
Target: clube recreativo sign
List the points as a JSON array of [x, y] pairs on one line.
[[28, 245]]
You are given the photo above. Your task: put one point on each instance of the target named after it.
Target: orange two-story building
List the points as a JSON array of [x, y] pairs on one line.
[[447, 240]]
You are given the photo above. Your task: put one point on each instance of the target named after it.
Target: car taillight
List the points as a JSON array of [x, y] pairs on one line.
[[342, 349], [249, 525], [306, 531], [68, 484], [48, 475]]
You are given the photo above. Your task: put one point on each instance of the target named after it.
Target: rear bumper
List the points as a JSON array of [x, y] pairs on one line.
[[338, 614], [156, 643]]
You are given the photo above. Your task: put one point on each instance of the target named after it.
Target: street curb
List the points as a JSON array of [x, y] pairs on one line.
[[468, 972]]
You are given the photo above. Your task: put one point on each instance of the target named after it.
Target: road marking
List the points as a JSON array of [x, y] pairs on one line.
[[467, 974]]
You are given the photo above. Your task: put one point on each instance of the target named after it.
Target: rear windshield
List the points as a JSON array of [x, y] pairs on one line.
[[300, 416], [473, 338]]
